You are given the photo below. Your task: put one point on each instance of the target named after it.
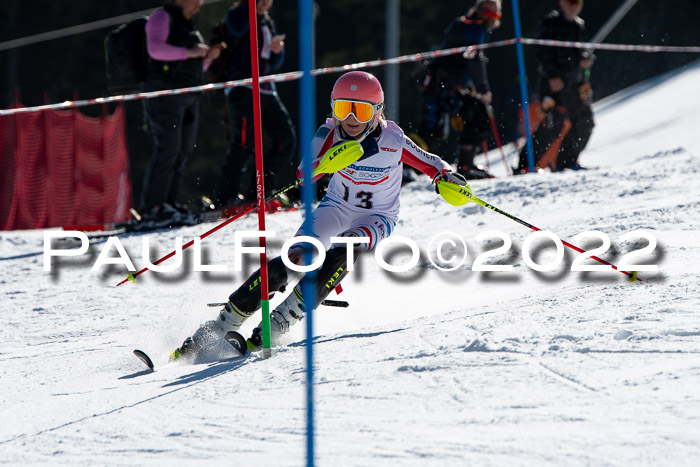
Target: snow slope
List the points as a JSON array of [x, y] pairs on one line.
[[425, 367]]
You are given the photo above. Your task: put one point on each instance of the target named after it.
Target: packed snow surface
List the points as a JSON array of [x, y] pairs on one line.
[[426, 367]]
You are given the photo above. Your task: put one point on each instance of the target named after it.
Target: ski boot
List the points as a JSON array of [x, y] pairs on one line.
[[210, 333], [466, 166], [286, 315], [241, 305], [187, 349], [476, 172]]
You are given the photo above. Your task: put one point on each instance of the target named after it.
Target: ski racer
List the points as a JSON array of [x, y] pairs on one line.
[[362, 200]]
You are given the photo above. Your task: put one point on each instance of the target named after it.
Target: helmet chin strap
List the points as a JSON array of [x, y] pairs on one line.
[[359, 138]]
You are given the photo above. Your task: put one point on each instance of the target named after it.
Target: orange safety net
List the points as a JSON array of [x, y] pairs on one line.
[[60, 167]]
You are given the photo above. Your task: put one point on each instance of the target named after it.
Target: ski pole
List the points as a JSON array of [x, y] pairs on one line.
[[485, 150], [632, 276], [247, 210], [336, 158], [494, 129]]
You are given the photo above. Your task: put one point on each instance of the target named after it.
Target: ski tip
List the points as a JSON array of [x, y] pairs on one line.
[[135, 214], [237, 342], [338, 303], [144, 358]]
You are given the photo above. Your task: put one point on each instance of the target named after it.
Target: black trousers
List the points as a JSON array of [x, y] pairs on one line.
[[579, 113], [581, 117], [446, 112], [279, 145], [173, 122]]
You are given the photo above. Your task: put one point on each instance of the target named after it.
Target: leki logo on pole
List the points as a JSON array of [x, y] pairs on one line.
[[336, 152]]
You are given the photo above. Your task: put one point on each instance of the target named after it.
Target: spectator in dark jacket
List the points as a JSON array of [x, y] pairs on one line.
[[236, 181], [456, 90], [177, 59], [564, 91]]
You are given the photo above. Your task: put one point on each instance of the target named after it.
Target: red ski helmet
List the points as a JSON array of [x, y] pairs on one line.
[[361, 87]]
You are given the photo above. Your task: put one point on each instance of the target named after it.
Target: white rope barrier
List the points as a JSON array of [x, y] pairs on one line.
[[294, 75], [620, 47]]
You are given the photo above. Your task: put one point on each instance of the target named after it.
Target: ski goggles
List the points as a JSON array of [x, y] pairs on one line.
[[491, 14], [574, 2], [362, 111]]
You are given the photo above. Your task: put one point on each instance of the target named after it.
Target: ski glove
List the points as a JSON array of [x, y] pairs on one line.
[[453, 188], [452, 177], [339, 156]]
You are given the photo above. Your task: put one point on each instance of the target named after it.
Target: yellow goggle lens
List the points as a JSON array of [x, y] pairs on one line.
[[362, 111]]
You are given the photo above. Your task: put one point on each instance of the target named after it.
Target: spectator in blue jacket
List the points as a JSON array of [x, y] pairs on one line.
[[456, 88], [236, 181]]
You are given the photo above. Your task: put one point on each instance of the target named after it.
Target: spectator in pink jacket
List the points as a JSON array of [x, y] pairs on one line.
[[178, 58]]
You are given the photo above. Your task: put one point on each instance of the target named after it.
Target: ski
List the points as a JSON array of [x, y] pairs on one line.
[[144, 358], [246, 346], [237, 341], [336, 303]]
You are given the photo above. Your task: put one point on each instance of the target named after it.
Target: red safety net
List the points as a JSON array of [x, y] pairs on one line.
[[60, 167]]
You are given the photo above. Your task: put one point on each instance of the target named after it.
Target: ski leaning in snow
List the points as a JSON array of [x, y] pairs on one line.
[[143, 356], [237, 341]]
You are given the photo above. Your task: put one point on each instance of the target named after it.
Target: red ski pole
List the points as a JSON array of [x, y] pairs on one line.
[[494, 129], [632, 276], [247, 210]]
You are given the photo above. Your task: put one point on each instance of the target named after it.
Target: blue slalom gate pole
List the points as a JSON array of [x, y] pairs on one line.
[[523, 84], [307, 106]]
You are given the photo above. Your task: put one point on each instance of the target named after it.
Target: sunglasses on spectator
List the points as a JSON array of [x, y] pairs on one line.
[[574, 2], [491, 14]]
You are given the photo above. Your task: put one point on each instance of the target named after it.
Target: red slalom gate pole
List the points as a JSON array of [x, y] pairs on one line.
[[247, 210], [259, 175]]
